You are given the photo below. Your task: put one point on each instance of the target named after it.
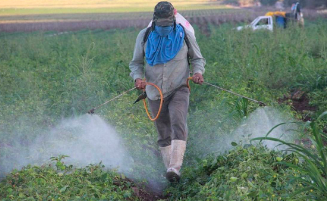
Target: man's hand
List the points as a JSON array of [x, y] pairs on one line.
[[140, 84], [197, 78]]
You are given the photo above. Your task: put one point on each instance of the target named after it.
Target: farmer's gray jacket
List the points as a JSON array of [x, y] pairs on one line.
[[168, 76]]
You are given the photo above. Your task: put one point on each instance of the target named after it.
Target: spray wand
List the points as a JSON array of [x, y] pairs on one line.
[[259, 102], [91, 111], [236, 94]]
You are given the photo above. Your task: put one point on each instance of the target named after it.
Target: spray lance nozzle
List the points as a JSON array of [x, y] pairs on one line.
[[141, 97], [91, 111], [262, 104]]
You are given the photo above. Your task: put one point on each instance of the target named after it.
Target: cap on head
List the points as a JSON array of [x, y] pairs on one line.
[[164, 14]]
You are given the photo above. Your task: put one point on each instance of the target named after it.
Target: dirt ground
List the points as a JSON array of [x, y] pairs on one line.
[[300, 102]]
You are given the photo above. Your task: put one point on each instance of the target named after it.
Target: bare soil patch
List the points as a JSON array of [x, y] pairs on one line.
[[300, 102]]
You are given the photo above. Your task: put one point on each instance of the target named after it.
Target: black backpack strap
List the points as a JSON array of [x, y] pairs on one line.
[[187, 43], [147, 33], [185, 37]]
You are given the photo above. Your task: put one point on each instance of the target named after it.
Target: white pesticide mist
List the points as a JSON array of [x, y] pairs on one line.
[[261, 121], [87, 139], [256, 124]]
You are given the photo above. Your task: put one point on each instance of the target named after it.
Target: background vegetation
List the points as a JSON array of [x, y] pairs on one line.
[[304, 3], [18, 7]]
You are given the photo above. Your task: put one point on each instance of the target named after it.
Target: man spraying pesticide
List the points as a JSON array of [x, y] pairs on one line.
[[167, 52], [168, 49]]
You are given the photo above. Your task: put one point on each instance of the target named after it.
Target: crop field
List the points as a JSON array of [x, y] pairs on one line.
[[55, 67], [18, 16], [17, 7], [111, 20]]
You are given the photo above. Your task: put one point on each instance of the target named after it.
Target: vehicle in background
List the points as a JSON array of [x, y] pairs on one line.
[[261, 22], [281, 19]]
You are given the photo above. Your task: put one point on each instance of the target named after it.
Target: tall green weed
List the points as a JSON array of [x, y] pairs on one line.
[[313, 172]]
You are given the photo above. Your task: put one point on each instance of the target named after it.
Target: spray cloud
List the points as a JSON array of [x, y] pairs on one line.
[[87, 139], [219, 133], [260, 122]]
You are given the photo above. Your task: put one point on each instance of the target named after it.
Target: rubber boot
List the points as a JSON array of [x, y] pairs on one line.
[[165, 153], [178, 148]]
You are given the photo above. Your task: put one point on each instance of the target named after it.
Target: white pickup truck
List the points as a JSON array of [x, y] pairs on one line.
[[279, 18], [261, 22]]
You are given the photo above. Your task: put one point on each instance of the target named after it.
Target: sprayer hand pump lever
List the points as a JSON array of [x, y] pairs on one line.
[[141, 97]]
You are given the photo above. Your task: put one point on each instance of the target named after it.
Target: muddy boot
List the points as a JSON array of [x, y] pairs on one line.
[[165, 153], [176, 160]]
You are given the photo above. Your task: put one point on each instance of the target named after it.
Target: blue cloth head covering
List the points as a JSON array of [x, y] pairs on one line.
[[163, 44]]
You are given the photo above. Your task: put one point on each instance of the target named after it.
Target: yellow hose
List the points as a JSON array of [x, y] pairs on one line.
[[161, 99]]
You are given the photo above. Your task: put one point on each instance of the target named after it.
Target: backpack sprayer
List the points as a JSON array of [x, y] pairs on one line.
[[143, 97]]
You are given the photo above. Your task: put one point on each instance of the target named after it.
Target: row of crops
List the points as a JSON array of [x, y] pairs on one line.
[[74, 22]]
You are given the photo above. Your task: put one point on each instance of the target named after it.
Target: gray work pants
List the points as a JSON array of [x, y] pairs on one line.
[[171, 124]]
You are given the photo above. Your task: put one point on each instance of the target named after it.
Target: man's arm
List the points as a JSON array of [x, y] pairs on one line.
[[137, 64], [196, 59]]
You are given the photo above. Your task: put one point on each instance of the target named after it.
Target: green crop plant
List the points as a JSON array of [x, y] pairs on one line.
[[252, 173], [313, 172], [47, 183]]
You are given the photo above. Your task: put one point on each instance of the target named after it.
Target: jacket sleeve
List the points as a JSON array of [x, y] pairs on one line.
[[137, 64], [196, 59]]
